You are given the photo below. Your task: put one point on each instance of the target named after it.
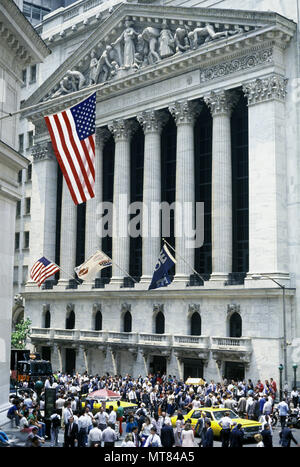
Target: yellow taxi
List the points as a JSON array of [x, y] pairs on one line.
[[250, 427], [96, 404]]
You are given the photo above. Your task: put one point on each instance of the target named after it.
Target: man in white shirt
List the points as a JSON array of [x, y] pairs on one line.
[[84, 422], [102, 418], [95, 436], [112, 416], [226, 424], [153, 441], [109, 436]]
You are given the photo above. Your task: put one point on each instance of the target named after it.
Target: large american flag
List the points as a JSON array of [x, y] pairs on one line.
[[42, 269], [73, 139]]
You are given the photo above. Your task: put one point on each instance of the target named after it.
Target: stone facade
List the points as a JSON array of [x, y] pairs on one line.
[[207, 59], [20, 45]]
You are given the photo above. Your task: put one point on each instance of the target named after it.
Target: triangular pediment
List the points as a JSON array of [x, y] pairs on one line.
[[137, 37]]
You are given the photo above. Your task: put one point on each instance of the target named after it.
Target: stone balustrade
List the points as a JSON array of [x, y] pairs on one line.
[[243, 344]]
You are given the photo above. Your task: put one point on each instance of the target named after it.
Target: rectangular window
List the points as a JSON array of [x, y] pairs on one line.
[[27, 205], [26, 239], [21, 142], [16, 272], [24, 76], [17, 241], [25, 275], [30, 139], [20, 176], [33, 74], [29, 172], [18, 210]]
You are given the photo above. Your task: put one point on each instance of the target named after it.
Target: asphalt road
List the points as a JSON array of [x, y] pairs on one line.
[[11, 433]]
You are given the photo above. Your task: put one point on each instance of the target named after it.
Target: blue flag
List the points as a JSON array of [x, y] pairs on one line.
[[160, 276]]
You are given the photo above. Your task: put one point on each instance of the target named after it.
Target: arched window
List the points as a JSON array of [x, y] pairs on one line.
[[195, 324], [235, 325], [160, 323], [98, 321], [70, 320], [47, 319], [127, 322]]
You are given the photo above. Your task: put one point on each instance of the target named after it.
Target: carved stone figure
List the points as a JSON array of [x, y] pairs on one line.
[[104, 65], [166, 42], [77, 79], [64, 88], [127, 38], [93, 67], [142, 51], [181, 40], [206, 34], [150, 35]]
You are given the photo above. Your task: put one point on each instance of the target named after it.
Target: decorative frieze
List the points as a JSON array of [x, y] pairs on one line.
[[235, 65], [265, 89]]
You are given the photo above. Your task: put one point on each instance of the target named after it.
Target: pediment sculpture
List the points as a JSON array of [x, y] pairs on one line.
[[138, 46]]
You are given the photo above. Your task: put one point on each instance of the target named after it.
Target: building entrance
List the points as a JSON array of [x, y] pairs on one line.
[[234, 370], [70, 363], [158, 364], [193, 368]]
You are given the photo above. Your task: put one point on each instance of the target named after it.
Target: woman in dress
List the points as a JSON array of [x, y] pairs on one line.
[[178, 429], [187, 436]]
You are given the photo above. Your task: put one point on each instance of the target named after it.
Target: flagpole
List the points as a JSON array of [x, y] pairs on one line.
[[72, 277], [177, 254]]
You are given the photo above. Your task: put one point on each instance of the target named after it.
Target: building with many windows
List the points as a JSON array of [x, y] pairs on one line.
[[20, 46], [196, 103]]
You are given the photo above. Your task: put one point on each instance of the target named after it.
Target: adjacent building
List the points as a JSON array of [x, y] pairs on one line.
[[20, 46], [195, 104]]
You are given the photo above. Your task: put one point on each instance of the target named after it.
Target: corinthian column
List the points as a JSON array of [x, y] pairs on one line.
[[184, 113], [221, 105], [92, 239], [122, 131], [67, 236], [152, 123], [268, 245]]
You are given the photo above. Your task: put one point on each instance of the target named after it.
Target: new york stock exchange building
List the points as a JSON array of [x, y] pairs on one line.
[[195, 104]]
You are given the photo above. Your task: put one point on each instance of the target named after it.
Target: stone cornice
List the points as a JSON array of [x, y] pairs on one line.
[[19, 34], [269, 23]]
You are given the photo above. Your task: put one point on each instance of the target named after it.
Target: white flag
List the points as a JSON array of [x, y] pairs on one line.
[[87, 271]]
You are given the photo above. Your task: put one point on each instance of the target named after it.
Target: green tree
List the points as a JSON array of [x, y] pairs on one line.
[[19, 336]]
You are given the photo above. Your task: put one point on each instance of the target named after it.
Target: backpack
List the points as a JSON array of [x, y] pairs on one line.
[[56, 422]]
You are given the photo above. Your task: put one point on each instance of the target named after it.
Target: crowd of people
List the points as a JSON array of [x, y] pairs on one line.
[[158, 398]]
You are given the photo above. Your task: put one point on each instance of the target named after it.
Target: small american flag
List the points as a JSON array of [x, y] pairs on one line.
[[42, 269], [72, 134]]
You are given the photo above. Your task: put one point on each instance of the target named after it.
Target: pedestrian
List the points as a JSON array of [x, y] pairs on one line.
[[34, 436], [145, 430], [286, 436], [55, 426], [128, 441], [102, 418], [83, 429], [295, 397], [267, 436], [208, 441], [71, 433], [187, 436], [226, 424], [153, 441], [95, 436], [130, 424], [136, 438], [178, 429], [259, 440], [283, 409], [112, 417], [236, 437], [109, 436], [167, 435], [120, 416]]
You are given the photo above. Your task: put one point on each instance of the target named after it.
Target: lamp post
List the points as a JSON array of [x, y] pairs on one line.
[[295, 366], [280, 368], [259, 277]]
